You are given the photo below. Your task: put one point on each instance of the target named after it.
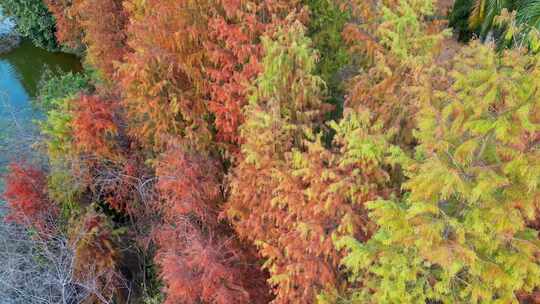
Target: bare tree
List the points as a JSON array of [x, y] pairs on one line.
[[39, 269]]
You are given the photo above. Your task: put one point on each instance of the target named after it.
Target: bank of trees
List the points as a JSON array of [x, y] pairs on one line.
[[288, 152]]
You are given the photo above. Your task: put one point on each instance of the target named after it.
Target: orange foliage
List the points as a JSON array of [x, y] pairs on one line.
[[68, 28], [94, 126], [26, 196], [104, 23], [162, 78], [298, 210]]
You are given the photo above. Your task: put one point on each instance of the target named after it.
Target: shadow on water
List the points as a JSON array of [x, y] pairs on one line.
[[20, 73]]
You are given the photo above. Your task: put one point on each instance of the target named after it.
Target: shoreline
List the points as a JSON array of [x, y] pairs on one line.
[[9, 42]]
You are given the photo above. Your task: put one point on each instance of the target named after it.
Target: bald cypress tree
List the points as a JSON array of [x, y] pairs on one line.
[[460, 234]]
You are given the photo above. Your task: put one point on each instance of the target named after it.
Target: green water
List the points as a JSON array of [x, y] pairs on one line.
[[20, 73], [25, 65]]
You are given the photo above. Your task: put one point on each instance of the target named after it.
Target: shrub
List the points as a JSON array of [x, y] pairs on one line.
[[34, 21]]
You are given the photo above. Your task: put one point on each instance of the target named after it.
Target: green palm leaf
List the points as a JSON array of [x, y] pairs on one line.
[[528, 12]]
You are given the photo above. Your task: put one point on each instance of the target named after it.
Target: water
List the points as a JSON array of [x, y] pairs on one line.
[[7, 25], [20, 73]]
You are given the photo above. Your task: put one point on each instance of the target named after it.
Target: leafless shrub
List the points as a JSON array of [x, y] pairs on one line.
[[39, 269]]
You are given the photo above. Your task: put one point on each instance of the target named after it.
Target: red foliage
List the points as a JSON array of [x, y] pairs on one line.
[[26, 197], [234, 51], [200, 269], [94, 126], [189, 184], [201, 261]]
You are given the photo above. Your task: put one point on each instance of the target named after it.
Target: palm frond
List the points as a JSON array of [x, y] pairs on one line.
[[484, 12], [528, 12], [477, 14]]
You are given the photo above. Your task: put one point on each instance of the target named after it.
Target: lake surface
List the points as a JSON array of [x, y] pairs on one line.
[[20, 73]]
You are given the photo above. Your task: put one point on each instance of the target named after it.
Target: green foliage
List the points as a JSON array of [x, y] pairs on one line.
[[461, 234], [65, 189], [156, 299], [34, 21], [481, 18], [57, 128], [287, 88], [459, 19], [53, 87], [401, 44], [326, 24], [55, 95], [404, 31]]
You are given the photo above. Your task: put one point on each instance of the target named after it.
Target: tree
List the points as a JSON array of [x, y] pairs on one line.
[[162, 78], [94, 126], [399, 44], [480, 18], [69, 31], [199, 256], [459, 19], [327, 20], [55, 99], [26, 197], [234, 54], [104, 23], [96, 258], [461, 233], [289, 195], [34, 21], [53, 87], [38, 269]]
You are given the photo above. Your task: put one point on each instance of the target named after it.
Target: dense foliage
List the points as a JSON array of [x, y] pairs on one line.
[[482, 18], [460, 234], [278, 151], [34, 21]]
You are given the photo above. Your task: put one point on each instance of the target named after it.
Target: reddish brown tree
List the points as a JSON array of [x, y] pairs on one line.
[[26, 196], [94, 126], [69, 31], [162, 78], [200, 259], [104, 23], [290, 196]]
